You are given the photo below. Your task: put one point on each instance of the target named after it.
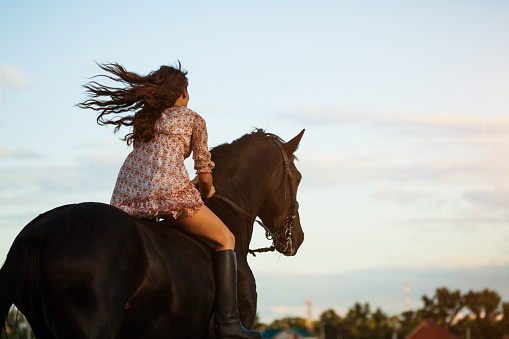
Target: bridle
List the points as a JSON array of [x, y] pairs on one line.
[[285, 227]]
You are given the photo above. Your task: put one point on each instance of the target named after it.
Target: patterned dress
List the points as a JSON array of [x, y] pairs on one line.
[[153, 180]]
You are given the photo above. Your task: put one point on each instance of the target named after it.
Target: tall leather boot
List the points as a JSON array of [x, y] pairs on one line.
[[228, 324]]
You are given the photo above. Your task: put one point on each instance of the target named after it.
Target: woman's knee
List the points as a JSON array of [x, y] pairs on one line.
[[226, 241]]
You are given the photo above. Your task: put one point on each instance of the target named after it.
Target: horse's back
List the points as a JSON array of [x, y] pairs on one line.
[[103, 271], [88, 264]]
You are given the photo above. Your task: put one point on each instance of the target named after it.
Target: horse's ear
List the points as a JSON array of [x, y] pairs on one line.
[[292, 145]]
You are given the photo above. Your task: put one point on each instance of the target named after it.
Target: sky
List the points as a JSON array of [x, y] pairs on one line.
[[405, 105]]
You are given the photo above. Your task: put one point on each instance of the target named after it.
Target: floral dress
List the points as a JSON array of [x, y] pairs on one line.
[[153, 181]]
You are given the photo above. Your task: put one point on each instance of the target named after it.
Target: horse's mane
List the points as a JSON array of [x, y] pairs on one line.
[[230, 158], [230, 150]]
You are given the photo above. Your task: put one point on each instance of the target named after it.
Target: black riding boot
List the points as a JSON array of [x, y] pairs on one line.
[[228, 324]]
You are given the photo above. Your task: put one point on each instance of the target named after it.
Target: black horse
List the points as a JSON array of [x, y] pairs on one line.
[[92, 271]]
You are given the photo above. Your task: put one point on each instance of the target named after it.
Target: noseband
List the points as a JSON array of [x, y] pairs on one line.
[[285, 227]]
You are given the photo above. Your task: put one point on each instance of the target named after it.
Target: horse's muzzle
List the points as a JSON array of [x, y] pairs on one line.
[[290, 249]]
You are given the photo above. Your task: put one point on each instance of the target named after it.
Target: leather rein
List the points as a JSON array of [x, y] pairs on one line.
[[287, 224]]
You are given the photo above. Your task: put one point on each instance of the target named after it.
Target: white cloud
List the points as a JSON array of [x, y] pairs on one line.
[[463, 220], [497, 196], [402, 195], [334, 168], [58, 179], [40, 185], [470, 262], [445, 124], [441, 151], [101, 144], [16, 153], [11, 77], [282, 310]]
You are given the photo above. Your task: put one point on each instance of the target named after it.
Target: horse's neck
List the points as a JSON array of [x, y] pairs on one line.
[[248, 191], [250, 201]]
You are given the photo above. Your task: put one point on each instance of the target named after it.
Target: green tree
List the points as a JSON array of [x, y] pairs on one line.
[[382, 326], [289, 322], [443, 306], [331, 324], [504, 323], [489, 317], [257, 325], [330, 317], [486, 307], [408, 321], [357, 321]]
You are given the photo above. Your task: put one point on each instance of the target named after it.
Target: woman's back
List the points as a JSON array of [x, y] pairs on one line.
[[153, 178]]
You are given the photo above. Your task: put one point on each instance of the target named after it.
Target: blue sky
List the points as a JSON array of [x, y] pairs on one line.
[[405, 105]]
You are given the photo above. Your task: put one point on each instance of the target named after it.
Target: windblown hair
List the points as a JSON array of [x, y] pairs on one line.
[[138, 104]]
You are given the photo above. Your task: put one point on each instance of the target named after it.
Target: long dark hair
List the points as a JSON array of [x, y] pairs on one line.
[[139, 103]]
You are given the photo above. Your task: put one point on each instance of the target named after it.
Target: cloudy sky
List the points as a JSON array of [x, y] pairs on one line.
[[405, 106]]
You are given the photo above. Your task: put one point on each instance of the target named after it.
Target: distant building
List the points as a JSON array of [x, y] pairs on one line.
[[428, 329], [289, 333]]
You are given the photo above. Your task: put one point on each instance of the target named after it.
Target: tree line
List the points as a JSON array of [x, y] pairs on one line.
[[481, 314], [475, 314]]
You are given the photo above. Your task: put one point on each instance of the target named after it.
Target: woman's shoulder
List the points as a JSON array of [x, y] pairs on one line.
[[180, 117], [191, 115], [181, 110]]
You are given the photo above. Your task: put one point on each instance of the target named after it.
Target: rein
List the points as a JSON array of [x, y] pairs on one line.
[[268, 233], [286, 224]]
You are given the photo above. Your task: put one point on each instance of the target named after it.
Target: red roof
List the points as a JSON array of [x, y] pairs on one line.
[[428, 329]]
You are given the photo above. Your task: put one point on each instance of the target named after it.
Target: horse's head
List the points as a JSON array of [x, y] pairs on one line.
[[256, 176], [280, 210]]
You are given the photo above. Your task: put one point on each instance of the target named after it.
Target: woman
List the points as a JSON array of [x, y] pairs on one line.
[[153, 181]]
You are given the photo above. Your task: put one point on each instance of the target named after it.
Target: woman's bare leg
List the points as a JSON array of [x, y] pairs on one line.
[[208, 227]]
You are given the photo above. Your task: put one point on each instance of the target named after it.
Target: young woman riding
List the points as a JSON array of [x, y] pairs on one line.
[[153, 181]]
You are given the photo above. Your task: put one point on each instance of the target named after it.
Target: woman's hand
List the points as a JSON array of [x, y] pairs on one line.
[[204, 181], [211, 192]]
